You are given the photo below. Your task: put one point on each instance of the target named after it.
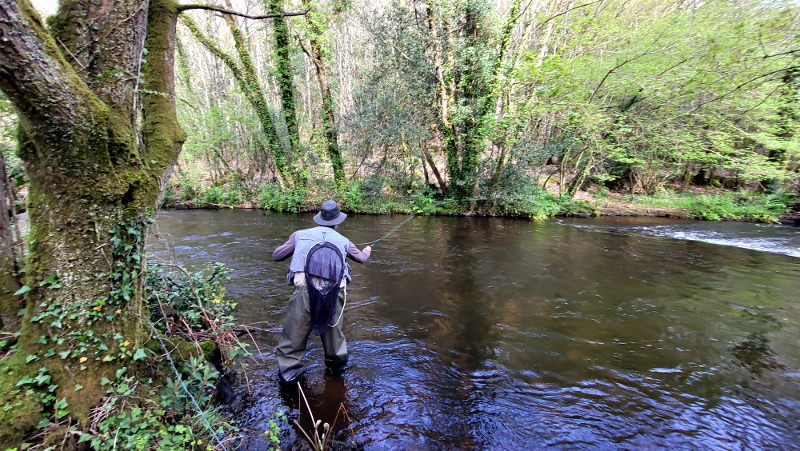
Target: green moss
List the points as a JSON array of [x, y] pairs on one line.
[[209, 349], [20, 411]]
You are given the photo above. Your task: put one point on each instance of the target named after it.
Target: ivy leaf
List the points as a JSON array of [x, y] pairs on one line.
[[139, 355], [63, 354], [78, 387], [25, 288], [25, 380], [31, 358]]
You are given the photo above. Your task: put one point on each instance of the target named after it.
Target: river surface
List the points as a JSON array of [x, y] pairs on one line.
[[487, 333]]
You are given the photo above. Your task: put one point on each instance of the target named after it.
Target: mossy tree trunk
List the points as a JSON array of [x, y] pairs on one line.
[[94, 172], [465, 136], [283, 61], [245, 74], [317, 53]]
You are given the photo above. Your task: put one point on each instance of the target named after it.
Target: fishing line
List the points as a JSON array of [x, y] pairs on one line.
[[183, 384], [374, 242]]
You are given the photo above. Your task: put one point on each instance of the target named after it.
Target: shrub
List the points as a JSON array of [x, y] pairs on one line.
[[274, 197], [212, 196]]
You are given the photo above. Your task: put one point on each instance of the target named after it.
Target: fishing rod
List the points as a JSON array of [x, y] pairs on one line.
[[374, 242], [243, 329]]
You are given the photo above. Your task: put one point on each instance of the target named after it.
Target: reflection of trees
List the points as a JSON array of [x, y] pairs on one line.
[[470, 316], [755, 354]]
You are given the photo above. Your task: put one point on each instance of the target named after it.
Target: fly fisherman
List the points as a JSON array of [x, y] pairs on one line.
[[319, 272]]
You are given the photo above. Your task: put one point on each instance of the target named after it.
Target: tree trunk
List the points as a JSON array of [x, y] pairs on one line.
[[92, 179], [432, 164], [445, 121], [245, 76], [317, 55], [283, 60], [10, 257]]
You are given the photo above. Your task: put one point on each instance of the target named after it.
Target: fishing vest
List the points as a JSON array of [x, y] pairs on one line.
[[306, 239]]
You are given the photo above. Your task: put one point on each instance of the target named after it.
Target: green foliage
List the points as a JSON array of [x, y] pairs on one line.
[[169, 196], [353, 197], [742, 205], [272, 435], [636, 99], [212, 195], [274, 197], [173, 421], [528, 202], [423, 201], [170, 424], [198, 300]]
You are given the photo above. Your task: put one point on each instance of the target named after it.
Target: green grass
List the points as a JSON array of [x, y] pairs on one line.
[[740, 205]]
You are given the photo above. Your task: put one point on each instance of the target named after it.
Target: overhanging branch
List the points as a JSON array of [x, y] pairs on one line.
[[182, 8]]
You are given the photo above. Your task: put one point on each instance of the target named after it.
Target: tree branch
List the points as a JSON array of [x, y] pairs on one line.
[[182, 8], [238, 73], [566, 11]]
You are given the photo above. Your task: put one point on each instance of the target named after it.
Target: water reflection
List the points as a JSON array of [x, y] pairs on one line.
[[476, 333]]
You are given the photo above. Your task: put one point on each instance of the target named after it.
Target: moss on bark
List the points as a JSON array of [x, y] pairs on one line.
[[90, 187]]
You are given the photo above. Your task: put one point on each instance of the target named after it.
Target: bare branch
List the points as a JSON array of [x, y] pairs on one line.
[[564, 12], [591, 97], [182, 8]]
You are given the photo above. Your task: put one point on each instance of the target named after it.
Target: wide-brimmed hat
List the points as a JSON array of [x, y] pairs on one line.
[[329, 214]]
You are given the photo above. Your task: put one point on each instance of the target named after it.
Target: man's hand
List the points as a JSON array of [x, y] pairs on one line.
[[367, 249]]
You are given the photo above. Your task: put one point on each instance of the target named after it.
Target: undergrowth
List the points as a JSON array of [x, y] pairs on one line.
[[740, 205], [163, 397], [191, 321], [520, 199]]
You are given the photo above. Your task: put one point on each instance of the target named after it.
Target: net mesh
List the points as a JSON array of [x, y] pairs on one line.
[[324, 272]]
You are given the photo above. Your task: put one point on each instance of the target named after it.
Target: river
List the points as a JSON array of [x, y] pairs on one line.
[[492, 333]]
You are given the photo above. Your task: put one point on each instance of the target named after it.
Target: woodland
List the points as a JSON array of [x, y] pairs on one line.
[[522, 108]]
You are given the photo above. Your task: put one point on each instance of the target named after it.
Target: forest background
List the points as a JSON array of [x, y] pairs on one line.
[[522, 108], [526, 108]]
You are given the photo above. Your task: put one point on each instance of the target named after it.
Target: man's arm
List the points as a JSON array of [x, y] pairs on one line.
[[357, 255], [284, 250]]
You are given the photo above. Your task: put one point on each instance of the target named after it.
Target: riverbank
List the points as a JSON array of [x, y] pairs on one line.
[[699, 203]]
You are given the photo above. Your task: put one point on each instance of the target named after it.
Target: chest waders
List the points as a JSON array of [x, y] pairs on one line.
[[312, 308]]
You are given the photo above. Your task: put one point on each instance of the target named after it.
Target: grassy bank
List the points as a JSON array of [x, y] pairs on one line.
[[706, 204]]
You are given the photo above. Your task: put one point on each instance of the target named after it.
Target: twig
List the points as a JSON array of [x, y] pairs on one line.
[[182, 8], [71, 54], [247, 329], [247, 379], [256, 345]]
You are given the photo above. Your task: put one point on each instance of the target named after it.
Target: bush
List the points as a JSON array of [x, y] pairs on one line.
[[212, 196], [526, 200], [176, 300], [197, 298], [169, 196], [233, 197], [423, 202], [748, 205], [353, 197], [274, 197]]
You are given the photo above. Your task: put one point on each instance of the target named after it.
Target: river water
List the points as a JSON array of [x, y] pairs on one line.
[[487, 333]]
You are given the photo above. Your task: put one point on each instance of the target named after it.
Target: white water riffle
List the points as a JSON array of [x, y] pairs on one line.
[[778, 239]]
